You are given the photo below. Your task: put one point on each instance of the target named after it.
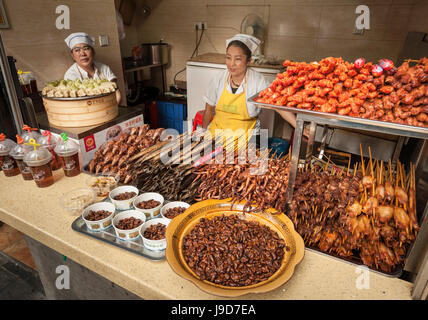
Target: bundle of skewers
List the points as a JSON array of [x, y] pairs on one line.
[[112, 157], [261, 183], [368, 215], [168, 167], [320, 197], [383, 224]]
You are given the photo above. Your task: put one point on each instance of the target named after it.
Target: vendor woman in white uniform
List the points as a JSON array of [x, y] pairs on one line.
[[82, 52], [226, 98]]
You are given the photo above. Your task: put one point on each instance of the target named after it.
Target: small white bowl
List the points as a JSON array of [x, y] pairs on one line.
[[102, 224], [173, 204], [150, 213], [123, 204], [101, 184], [130, 234], [75, 201], [154, 244]]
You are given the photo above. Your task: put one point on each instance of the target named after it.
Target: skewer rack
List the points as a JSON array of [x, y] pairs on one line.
[[315, 118]]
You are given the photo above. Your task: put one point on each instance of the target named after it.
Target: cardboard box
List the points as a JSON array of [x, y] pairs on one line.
[[91, 143]]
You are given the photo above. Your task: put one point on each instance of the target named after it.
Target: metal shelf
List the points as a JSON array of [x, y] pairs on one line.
[[321, 118]]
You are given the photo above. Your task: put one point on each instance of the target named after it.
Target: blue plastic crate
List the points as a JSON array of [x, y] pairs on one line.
[[172, 111], [171, 124], [278, 145]]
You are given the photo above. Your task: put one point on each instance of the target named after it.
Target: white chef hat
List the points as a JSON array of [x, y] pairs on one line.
[[251, 42], [79, 37]]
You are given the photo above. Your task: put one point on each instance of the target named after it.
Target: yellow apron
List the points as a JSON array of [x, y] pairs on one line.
[[231, 113]]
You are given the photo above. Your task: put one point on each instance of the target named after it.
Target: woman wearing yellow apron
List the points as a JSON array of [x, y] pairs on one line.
[[226, 97]]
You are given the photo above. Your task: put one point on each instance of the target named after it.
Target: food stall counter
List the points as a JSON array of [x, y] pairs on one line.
[[37, 213]]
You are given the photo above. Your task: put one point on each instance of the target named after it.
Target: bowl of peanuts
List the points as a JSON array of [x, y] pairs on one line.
[[98, 216], [127, 224], [173, 209], [149, 203], [123, 196], [153, 233]]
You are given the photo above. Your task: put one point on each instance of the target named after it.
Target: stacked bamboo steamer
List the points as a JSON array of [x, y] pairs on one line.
[[81, 111]]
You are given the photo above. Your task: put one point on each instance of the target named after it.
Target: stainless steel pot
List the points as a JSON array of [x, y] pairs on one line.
[[155, 53]]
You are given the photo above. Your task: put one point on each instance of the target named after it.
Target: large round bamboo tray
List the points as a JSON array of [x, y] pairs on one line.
[[280, 223], [82, 111]]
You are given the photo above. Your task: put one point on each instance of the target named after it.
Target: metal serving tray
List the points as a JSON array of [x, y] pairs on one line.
[[354, 122], [357, 262], [109, 236]]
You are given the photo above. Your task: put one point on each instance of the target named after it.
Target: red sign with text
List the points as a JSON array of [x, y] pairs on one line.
[[90, 143]]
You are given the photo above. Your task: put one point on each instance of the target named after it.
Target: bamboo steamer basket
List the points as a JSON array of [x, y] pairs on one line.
[[81, 111]]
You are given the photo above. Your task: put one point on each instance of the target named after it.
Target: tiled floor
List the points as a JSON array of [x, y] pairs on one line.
[[12, 243], [18, 274]]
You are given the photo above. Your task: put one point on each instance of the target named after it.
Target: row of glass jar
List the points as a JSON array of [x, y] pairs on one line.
[[35, 156]]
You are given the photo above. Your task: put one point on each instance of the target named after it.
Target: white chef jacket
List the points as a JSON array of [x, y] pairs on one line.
[[256, 83], [102, 71]]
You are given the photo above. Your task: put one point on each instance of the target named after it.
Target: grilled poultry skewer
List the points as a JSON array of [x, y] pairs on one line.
[[412, 201], [389, 188], [400, 193], [380, 188]]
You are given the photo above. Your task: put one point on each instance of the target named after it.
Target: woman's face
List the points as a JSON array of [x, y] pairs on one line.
[[83, 55], [236, 61]]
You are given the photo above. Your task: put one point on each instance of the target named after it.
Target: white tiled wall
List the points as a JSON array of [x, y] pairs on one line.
[[38, 46], [296, 29]]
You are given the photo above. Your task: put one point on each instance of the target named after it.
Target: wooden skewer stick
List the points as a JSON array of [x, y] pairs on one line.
[[401, 175], [341, 172], [362, 159], [402, 185], [326, 165], [349, 164], [371, 163], [397, 174], [396, 184], [408, 178], [377, 171], [371, 167]]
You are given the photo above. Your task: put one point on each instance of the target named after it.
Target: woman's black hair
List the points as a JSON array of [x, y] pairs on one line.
[[243, 46]]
